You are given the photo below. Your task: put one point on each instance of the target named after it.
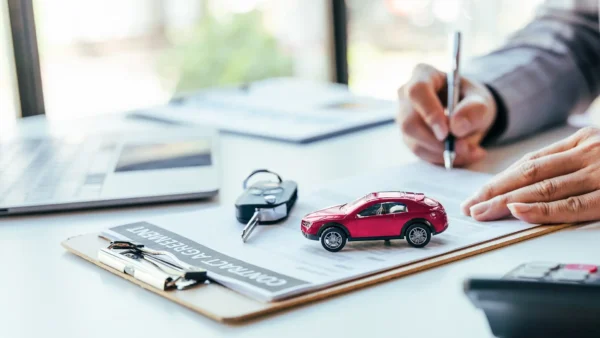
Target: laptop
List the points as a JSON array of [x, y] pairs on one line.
[[71, 171]]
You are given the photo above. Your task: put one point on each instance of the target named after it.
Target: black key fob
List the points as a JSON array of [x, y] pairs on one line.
[[273, 199]]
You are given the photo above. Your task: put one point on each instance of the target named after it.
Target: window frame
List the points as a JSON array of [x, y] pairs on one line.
[[27, 60], [339, 26], [367, 208], [26, 57], [400, 212]]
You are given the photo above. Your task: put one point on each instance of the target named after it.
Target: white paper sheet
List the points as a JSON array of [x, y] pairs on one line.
[[283, 252], [290, 110]]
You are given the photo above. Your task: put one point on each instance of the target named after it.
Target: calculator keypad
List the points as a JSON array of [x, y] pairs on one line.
[[542, 265], [571, 275], [554, 272]]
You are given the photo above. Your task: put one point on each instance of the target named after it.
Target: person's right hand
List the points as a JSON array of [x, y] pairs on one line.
[[425, 126]]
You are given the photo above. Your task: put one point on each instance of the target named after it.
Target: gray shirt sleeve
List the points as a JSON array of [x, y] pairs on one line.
[[545, 71]]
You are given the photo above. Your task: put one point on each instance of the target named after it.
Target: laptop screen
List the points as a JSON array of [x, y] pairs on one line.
[[157, 156]]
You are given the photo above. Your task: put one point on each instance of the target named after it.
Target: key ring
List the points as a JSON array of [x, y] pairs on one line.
[[265, 201], [257, 171]]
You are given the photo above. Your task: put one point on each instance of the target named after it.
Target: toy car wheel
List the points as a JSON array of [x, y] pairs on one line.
[[418, 235], [333, 239]]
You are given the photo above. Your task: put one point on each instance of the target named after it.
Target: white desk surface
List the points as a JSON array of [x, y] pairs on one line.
[[45, 291]]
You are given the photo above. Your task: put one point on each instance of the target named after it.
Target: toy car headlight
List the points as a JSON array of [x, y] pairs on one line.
[[306, 224]]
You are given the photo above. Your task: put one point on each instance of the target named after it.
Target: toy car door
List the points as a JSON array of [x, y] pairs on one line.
[[373, 221], [400, 215]]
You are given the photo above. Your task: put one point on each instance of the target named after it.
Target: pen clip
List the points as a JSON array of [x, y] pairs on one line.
[[455, 42], [453, 76]]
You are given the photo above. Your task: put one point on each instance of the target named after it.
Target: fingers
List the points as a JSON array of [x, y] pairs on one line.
[[558, 184], [421, 141], [571, 210], [527, 173], [422, 91], [557, 147], [472, 115], [552, 189], [416, 132], [466, 153], [425, 125], [437, 158]]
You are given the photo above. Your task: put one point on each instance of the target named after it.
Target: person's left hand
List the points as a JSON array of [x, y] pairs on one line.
[[557, 184]]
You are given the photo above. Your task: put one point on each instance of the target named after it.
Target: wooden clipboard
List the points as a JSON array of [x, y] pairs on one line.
[[227, 306]]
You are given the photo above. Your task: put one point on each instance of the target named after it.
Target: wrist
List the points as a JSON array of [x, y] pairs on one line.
[[500, 122]]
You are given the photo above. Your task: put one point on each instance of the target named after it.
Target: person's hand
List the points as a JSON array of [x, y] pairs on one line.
[[558, 184], [425, 126]]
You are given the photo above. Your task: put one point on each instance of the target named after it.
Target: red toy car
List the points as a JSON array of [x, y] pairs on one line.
[[379, 215]]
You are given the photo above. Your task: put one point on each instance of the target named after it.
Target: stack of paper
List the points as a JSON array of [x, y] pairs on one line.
[[284, 109]]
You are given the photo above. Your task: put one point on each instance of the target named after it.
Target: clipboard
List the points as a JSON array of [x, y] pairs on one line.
[[224, 305]]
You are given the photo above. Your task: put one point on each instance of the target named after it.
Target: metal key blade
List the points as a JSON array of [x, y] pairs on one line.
[[252, 223]]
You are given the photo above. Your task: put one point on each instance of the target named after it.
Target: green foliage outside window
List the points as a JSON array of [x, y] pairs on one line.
[[219, 53]]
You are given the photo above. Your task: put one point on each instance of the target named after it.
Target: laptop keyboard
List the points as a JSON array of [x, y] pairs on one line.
[[39, 171]]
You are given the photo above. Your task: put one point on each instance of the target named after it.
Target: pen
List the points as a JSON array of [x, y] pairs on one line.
[[453, 83]]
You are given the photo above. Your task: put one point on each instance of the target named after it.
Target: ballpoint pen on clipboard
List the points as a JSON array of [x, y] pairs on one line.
[[160, 269], [453, 84]]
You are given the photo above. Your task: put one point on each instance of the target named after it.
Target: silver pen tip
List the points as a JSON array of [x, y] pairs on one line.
[[449, 159]]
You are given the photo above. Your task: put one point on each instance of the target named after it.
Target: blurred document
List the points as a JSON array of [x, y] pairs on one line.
[[284, 109], [278, 262]]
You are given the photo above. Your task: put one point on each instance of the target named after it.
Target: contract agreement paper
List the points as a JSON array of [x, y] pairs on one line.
[[278, 262]]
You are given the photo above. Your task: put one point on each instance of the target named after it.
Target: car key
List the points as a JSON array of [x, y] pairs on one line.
[[264, 202], [252, 223]]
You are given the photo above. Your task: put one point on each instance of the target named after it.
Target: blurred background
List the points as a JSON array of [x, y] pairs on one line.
[[106, 56]]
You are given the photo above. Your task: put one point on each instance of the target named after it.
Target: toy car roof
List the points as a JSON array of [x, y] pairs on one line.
[[396, 194]]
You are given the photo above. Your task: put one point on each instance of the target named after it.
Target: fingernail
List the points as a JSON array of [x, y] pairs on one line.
[[462, 126], [467, 204], [439, 131], [480, 208], [464, 207], [472, 199], [521, 211], [518, 208]]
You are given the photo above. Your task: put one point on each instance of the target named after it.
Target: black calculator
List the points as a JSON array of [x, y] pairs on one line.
[[541, 299]]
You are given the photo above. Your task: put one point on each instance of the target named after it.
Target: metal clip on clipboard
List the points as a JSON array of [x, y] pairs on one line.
[[160, 269]]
